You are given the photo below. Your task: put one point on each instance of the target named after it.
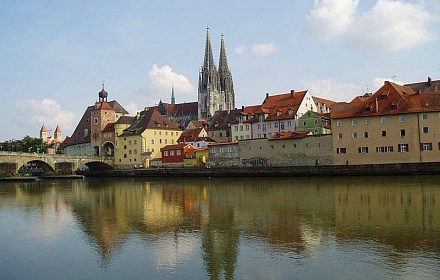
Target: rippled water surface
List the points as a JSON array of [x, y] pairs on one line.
[[248, 228]]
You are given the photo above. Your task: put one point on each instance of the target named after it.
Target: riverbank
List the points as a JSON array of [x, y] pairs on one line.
[[296, 171]]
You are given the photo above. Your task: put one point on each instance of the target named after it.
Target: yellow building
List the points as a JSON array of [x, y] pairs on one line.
[[143, 139], [197, 158], [394, 125]]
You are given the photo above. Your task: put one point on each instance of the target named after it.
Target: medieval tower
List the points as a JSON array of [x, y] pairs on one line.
[[216, 89]]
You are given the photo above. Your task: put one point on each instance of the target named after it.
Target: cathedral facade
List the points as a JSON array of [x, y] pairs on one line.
[[216, 89]]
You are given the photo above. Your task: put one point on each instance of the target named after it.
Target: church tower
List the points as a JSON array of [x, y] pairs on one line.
[[57, 134], [43, 134], [215, 91]]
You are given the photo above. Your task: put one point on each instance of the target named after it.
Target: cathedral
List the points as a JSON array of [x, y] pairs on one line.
[[216, 89]]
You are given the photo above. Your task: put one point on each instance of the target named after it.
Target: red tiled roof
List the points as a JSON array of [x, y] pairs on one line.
[[327, 102], [176, 146], [222, 144], [278, 106], [190, 135], [390, 99]]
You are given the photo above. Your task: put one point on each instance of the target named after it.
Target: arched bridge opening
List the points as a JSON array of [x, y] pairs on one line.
[[36, 167], [93, 166]]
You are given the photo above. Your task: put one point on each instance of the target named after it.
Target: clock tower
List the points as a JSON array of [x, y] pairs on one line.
[[101, 116]]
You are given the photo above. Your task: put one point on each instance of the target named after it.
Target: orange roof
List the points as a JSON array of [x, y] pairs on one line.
[[222, 144], [43, 129], [390, 99], [282, 106], [58, 129]]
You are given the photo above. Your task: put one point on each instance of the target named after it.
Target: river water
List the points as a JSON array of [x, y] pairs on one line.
[[248, 228]]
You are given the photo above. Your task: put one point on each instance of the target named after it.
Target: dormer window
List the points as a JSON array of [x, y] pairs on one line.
[[290, 112], [278, 113], [216, 125], [261, 118]]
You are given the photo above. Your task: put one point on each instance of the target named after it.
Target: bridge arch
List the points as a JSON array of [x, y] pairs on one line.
[[94, 166], [36, 167]]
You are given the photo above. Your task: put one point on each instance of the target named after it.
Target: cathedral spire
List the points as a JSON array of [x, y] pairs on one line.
[[209, 58], [173, 97], [223, 62]]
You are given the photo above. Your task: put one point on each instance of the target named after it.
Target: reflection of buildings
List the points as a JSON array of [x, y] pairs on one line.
[[288, 215], [396, 213]]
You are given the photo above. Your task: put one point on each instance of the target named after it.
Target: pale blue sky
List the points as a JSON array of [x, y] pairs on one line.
[[54, 54]]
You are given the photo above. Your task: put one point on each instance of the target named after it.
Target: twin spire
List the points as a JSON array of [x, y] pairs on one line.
[[216, 90]]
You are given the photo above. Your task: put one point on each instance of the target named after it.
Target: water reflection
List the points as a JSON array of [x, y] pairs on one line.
[[391, 219]]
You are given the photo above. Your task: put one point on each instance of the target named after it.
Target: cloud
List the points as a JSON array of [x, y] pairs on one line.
[[47, 112], [331, 18], [264, 49], [160, 80], [405, 27], [331, 89], [240, 50], [390, 25]]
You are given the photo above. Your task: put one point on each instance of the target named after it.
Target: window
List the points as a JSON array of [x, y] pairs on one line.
[[354, 122], [236, 127], [355, 135], [426, 146], [289, 123], [172, 153], [276, 124], [425, 129], [425, 116], [384, 133], [264, 127], [403, 148], [383, 120], [135, 142], [179, 152], [339, 123], [241, 127], [380, 149], [402, 119], [367, 121], [129, 152], [278, 113], [135, 151], [366, 134], [259, 126], [363, 150], [402, 132], [341, 150], [247, 127], [152, 141], [282, 125], [340, 136], [385, 149], [165, 153]]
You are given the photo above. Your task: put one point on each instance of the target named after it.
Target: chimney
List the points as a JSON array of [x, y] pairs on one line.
[[267, 94], [429, 81], [242, 107], [292, 93]]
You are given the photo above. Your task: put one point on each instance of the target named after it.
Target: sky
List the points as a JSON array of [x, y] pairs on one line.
[[55, 55]]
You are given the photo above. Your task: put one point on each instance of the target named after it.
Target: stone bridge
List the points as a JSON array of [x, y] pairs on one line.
[[13, 163]]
